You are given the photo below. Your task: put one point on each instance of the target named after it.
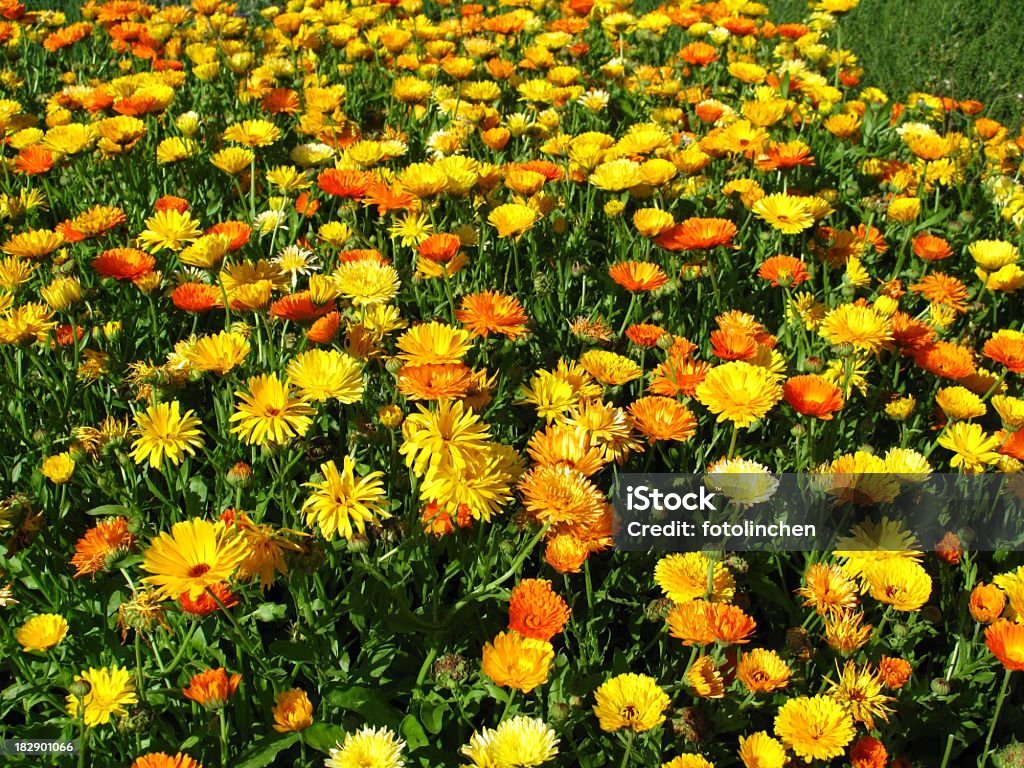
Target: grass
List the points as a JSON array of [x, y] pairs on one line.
[[966, 49]]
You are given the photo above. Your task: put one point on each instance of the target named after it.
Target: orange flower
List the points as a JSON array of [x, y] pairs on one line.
[[950, 549], [894, 672], [212, 688], [238, 231], [435, 381], [689, 622], [946, 359], [1006, 348], [698, 54], [123, 263], [678, 376], [344, 183], [492, 312], [868, 752], [438, 521], [697, 234], [536, 610], [784, 270], [931, 248], [163, 760], [940, 288], [645, 334], [204, 604], [299, 308], [1006, 641], [728, 623], [325, 329], [813, 395], [170, 203], [566, 553], [733, 344], [662, 418], [281, 100], [987, 603], [517, 662], [292, 711], [910, 334], [638, 275], [101, 544], [440, 248], [195, 297], [34, 160]]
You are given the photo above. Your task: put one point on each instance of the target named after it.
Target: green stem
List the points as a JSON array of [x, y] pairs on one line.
[[995, 718], [630, 736]]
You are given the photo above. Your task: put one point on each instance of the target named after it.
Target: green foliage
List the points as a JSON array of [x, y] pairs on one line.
[[965, 49]]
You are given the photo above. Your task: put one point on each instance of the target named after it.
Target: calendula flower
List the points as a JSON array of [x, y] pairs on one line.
[[212, 688], [862, 326], [219, 353], [986, 603], [815, 727], [320, 375], [101, 544], [512, 219], [194, 556], [636, 276], [1006, 641], [685, 577], [762, 671], [536, 610], [973, 449], [343, 503], [169, 229], [860, 690], [490, 312], [58, 469], [41, 633], [292, 711], [517, 662], [268, 413], [163, 432], [902, 583], [111, 692], [705, 679], [789, 215], [368, 748], [739, 392], [759, 750], [828, 589], [519, 741], [630, 701]]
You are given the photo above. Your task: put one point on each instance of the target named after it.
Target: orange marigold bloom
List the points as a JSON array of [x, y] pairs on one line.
[[698, 54], [894, 671], [536, 610], [868, 752], [689, 622], [238, 231], [435, 381], [281, 100], [438, 521], [196, 297], [517, 662], [645, 334], [344, 183], [123, 263], [950, 549], [728, 623], [662, 418], [440, 247], [490, 312], [697, 234], [163, 760], [784, 270], [813, 395], [987, 603], [910, 334], [870, 236], [931, 248], [678, 376], [34, 160], [204, 604], [325, 329], [940, 288], [212, 688], [733, 344], [638, 275], [566, 553], [946, 359], [300, 308], [101, 544], [1006, 348], [170, 203], [780, 156], [1006, 641]]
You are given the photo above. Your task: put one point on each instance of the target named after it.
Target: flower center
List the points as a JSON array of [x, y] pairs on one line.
[[198, 570]]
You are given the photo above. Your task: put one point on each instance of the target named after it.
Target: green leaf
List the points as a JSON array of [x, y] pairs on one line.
[[109, 510], [413, 732], [294, 652], [263, 752], [323, 736], [371, 704], [432, 715], [268, 612]]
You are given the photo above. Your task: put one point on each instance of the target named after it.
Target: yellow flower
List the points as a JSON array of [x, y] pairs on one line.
[[220, 353], [233, 160], [610, 368], [41, 633], [993, 255], [759, 750], [343, 499], [739, 392], [960, 403], [860, 690], [320, 375], [169, 229], [972, 448], [863, 327], [253, 133], [617, 175], [789, 215], [433, 342], [517, 662], [196, 555], [815, 728], [163, 431], [688, 760], [630, 701], [684, 577], [368, 748], [518, 741], [292, 711], [902, 583], [62, 293], [367, 282], [33, 244], [58, 469], [705, 679], [512, 219], [268, 414], [111, 691]]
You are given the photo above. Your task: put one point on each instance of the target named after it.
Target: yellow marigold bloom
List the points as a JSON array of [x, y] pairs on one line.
[[550, 394], [367, 282], [14, 272], [684, 577], [252, 133], [688, 760], [705, 679], [512, 219], [292, 711], [41, 633], [518, 741], [617, 175], [993, 255], [828, 589], [847, 633], [762, 671], [25, 323], [959, 403], [860, 691], [268, 413], [815, 727], [1010, 410], [344, 499], [164, 432], [33, 244], [452, 435], [901, 408], [863, 327], [517, 662], [58, 469], [169, 229], [759, 750], [630, 701], [322, 375], [433, 342], [610, 368], [739, 392], [651, 222], [62, 293], [220, 353], [368, 748], [789, 215], [174, 149], [233, 160], [902, 583], [194, 556], [111, 692], [903, 210], [973, 449], [206, 252]]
